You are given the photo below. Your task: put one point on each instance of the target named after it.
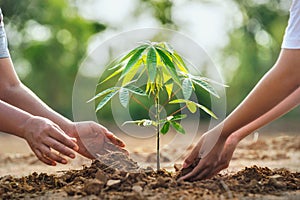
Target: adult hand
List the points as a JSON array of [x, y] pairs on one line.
[[44, 136], [213, 160], [93, 139]]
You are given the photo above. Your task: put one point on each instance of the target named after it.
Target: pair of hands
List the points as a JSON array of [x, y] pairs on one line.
[[215, 155], [50, 143], [90, 139]]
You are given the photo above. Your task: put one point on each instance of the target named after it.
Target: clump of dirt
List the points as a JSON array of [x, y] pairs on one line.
[[183, 171], [116, 176]]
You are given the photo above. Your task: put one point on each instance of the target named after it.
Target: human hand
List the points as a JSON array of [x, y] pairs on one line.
[[213, 159], [43, 136], [93, 139]]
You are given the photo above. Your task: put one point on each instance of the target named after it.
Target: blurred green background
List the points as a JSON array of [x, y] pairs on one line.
[[49, 39]]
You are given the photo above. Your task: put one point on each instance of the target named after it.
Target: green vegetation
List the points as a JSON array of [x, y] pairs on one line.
[[157, 67], [48, 62], [48, 40]]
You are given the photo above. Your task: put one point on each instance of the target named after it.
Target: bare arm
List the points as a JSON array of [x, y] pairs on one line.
[[283, 107], [280, 82], [19, 97], [15, 93], [292, 101], [40, 133]]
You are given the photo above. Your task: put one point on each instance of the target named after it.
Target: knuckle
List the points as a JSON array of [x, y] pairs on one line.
[[39, 137], [47, 128], [48, 154], [56, 146]]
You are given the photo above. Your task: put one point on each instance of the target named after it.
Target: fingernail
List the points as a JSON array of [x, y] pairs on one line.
[[64, 162], [185, 165], [75, 148], [110, 133], [72, 155], [121, 143], [54, 164]]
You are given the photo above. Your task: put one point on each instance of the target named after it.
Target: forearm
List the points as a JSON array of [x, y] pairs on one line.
[[282, 80], [15, 93], [20, 96], [12, 119], [283, 107]]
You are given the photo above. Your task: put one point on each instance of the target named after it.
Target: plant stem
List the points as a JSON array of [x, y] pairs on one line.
[[176, 111], [139, 102], [157, 132]]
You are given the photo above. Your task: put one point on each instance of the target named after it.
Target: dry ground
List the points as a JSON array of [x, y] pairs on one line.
[[274, 149]]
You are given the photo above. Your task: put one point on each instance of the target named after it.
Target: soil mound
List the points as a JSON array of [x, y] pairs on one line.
[[116, 176]]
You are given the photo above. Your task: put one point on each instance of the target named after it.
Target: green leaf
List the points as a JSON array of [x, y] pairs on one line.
[[131, 53], [109, 90], [213, 81], [178, 101], [124, 97], [132, 72], [178, 127], [191, 106], [165, 128], [187, 88], [169, 89], [114, 64], [205, 86], [105, 100], [178, 117], [179, 61], [151, 63], [168, 47], [207, 110], [167, 78], [136, 90], [170, 65], [135, 57], [115, 73]]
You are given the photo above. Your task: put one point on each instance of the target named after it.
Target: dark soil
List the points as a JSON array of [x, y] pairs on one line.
[[115, 176]]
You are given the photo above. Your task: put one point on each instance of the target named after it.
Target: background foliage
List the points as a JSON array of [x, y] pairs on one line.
[[49, 39]]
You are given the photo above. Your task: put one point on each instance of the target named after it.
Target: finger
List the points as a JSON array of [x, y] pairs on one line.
[[64, 139], [111, 147], [62, 131], [115, 140], [202, 175], [193, 173], [124, 151], [191, 158], [218, 169], [59, 147], [46, 152], [44, 159]]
